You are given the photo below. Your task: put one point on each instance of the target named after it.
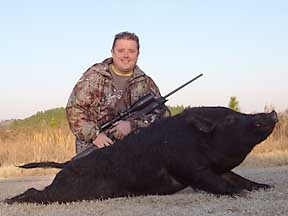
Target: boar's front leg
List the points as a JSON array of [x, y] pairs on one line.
[[205, 179], [241, 182]]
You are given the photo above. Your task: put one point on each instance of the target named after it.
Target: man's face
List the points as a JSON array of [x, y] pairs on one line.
[[125, 55]]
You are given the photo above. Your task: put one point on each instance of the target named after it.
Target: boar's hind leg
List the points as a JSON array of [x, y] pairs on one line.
[[30, 196], [242, 182]]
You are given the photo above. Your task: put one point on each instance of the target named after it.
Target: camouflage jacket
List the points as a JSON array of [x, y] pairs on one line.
[[92, 101]]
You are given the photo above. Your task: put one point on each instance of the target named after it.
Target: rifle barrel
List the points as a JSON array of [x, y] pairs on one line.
[[177, 89]]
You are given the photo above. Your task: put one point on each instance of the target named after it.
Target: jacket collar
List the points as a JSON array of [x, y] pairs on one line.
[[106, 72]]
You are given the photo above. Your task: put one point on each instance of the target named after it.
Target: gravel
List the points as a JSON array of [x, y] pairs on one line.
[[186, 202]]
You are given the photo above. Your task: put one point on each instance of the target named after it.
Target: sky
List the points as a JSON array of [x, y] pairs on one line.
[[241, 47]]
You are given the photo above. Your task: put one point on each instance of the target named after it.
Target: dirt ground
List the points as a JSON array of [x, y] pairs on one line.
[[186, 202]]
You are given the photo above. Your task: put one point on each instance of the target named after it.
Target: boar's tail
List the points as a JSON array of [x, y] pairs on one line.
[[48, 164]]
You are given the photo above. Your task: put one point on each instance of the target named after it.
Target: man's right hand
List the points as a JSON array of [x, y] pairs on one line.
[[102, 140]]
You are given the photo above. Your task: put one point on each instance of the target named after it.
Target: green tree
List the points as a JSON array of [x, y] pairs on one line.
[[50, 118], [53, 122], [234, 104], [176, 109]]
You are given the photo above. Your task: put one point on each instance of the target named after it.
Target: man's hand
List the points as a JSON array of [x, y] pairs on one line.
[[102, 140], [121, 129]]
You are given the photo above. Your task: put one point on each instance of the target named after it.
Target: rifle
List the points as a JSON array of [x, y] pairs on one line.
[[141, 107]]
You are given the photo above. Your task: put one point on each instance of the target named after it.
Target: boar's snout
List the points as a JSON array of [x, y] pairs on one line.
[[274, 116]]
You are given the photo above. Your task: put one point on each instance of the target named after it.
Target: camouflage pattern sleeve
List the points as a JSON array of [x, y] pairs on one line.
[[78, 110], [156, 114]]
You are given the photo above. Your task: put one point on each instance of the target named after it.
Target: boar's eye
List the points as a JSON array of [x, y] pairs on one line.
[[258, 125]]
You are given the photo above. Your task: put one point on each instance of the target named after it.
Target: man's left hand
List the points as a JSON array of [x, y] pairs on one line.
[[121, 129]]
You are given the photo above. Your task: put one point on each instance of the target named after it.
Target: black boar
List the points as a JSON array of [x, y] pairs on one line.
[[197, 148]]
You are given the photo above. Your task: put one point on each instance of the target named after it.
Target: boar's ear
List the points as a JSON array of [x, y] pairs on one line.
[[201, 123]]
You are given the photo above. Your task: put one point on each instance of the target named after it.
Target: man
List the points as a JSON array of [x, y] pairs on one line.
[[107, 88]]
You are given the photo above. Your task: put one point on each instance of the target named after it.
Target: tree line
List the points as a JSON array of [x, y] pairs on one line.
[[56, 118]]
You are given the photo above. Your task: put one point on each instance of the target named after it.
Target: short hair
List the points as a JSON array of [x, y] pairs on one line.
[[128, 36]]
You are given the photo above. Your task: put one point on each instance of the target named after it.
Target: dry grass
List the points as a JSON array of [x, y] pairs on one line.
[[271, 159], [12, 171], [28, 145]]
